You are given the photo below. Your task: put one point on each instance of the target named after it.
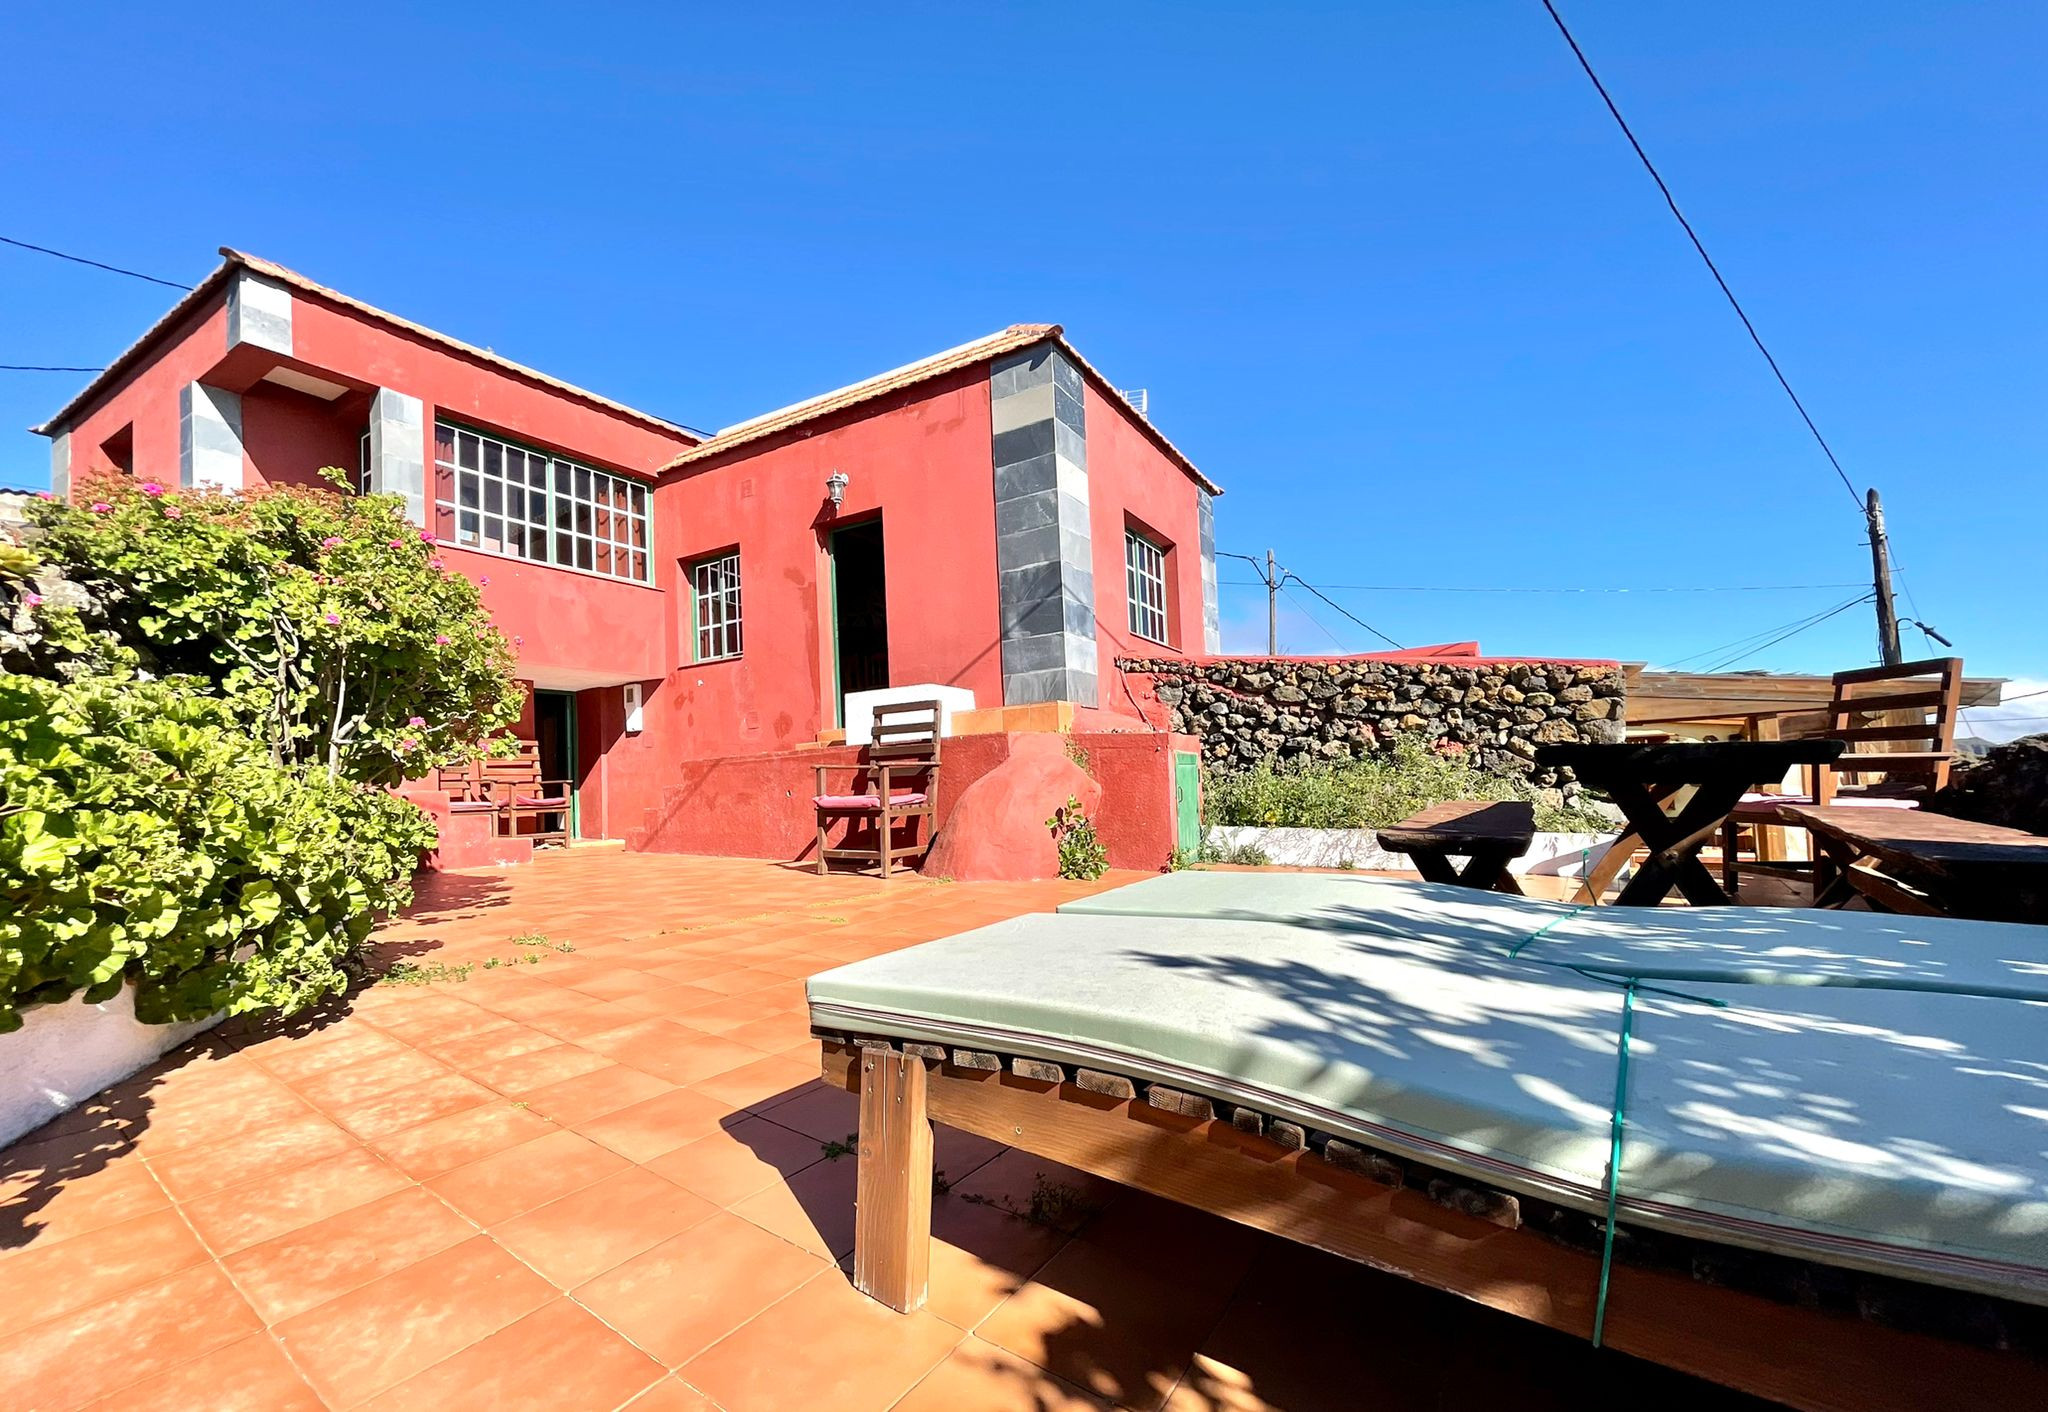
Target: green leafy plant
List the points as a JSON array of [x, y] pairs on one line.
[[329, 622], [541, 939], [835, 1150], [1375, 792], [1081, 853], [407, 972], [145, 837], [1243, 855]]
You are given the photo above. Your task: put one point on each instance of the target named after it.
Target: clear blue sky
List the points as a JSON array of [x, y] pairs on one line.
[[1389, 271]]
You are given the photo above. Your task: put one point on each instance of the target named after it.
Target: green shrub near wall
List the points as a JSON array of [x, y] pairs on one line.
[[203, 699], [1375, 792]]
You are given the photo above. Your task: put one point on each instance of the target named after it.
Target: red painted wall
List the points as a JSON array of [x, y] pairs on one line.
[[148, 399], [921, 459], [1131, 483]]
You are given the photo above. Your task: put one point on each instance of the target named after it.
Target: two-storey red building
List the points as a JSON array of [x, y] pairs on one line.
[[690, 611]]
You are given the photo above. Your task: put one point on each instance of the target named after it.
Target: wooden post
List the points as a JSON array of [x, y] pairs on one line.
[[892, 1222], [1881, 582]]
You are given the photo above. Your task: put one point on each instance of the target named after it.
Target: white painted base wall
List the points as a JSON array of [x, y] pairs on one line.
[[1563, 855], [860, 707], [64, 1054]]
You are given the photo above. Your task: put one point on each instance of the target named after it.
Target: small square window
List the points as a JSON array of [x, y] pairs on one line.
[[1145, 586], [715, 607]]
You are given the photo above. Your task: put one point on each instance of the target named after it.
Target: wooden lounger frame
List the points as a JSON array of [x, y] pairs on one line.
[[1263, 1174]]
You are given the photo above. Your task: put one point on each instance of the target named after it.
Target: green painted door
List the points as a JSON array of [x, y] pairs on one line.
[[1187, 800]]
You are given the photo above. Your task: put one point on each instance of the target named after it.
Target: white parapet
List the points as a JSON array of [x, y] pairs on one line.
[[860, 707], [65, 1053]]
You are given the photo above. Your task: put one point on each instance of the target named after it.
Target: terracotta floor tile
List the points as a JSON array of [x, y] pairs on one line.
[[671, 1395], [827, 1345], [183, 1125], [54, 1279], [519, 1076], [1027, 1184], [659, 1125], [981, 1255], [740, 980], [392, 1112], [345, 1045], [1109, 1324], [444, 1144], [507, 1041], [241, 1216], [240, 1155], [249, 1375], [595, 1093], [44, 1211], [398, 1326], [353, 1084], [688, 1292], [777, 1032], [581, 1235], [687, 1056], [512, 1182], [593, 1019], [107, 1346], [823, 1112], [556, 1359], [733, 1163], [983, 1377], [305, 1268], [813, 1209]]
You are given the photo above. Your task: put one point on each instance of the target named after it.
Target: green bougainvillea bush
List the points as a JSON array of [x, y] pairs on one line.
[[328, 622], [144, 836], [199, 732]]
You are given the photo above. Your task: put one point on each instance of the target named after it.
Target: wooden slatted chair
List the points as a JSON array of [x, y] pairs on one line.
[[464, 786], [1878, 710], [905, 752], [515, 788]]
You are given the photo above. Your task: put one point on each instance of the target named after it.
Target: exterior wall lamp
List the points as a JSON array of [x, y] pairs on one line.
[[835, 488]]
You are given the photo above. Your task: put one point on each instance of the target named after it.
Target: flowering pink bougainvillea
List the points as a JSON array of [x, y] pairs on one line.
[[416, 722], [334, 620], [152, 489], [441, 639], [101, 507], [172, 512], [333, 541], [427, 537], [484, 582], [34, 600], [436, 564]]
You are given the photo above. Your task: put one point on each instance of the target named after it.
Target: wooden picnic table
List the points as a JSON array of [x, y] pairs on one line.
[[1640, 779], [1921, 863], [1489, 834]]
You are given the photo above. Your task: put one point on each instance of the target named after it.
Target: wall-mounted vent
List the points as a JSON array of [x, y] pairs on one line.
[[1140, 399]]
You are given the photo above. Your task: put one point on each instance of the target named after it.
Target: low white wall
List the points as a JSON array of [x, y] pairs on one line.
[[64, 1054], [1564, 855]]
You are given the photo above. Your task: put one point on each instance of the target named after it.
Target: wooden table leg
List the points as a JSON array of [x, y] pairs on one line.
[[892, 1224], [1675, 844], [1434, 865]]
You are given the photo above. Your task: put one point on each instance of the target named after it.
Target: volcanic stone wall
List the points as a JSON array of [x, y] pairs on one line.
[[1250, 709]]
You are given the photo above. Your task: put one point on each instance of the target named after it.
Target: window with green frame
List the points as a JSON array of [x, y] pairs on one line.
[[715, 606]]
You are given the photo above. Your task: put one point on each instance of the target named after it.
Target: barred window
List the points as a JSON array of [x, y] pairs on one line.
[[1145, 586], [715, 599], [507, 499]]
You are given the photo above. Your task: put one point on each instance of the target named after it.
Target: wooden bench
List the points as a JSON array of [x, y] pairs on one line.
[[1488, 834], [1920, 863]]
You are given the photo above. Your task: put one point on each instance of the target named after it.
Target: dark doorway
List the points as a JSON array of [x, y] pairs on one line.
[[860, 613], [554, 738]]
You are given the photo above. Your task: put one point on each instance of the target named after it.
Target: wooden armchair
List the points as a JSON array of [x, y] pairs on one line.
[[464, 786], [1900, 723], [514, 786], [905, 752]]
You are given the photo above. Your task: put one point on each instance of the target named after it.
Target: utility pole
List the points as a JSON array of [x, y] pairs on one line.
[[1273, 606], [1881, 577]]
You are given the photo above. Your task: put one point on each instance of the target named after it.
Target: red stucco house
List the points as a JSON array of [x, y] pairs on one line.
[[690, 610]]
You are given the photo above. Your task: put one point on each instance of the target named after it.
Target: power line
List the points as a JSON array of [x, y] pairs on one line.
[[44, 368], [1342, 609], [81, 260], [1743, 642], [1712, 268], [1752, 651], [1438, 588], [1312, 618]]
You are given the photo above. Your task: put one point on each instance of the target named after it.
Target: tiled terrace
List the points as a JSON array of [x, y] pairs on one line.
[[607, 1179]]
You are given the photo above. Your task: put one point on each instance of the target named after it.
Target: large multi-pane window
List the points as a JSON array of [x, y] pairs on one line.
[[1145, 586], [527, 504], [715, 606]]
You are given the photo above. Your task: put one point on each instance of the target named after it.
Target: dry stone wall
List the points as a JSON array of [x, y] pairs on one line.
[[1250, 709]]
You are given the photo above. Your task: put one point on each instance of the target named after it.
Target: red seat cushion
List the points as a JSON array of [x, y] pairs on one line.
[[525, 801], [471, 806], [863, 801]]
